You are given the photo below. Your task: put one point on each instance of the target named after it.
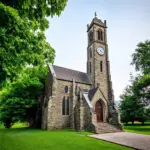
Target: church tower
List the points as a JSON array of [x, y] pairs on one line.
[[97, 57]]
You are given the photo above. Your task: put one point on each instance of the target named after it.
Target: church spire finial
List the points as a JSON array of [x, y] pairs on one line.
[[95, 14]]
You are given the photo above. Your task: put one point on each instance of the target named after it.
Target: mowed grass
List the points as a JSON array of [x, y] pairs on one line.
[[138, 128], [27, 139]]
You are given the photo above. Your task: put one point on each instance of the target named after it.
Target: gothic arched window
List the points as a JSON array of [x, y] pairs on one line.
[[63, 105], [90, 36], [67, 111], [90, 53], [100, 35], [101, 66], [90, 67]]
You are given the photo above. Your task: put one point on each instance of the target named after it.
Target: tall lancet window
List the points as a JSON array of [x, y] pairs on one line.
[[101, 66], [100, 35], [90, 36], [90, 53], [90, 67], [63, 106], [67, 111]]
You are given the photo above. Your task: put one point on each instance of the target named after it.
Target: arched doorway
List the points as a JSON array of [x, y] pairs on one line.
[[99, 111]]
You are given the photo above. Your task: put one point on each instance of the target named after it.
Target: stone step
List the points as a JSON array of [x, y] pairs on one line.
[[102, 127]]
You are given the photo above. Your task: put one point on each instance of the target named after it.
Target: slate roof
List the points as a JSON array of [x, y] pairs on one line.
[[91, 93], [69, 75]]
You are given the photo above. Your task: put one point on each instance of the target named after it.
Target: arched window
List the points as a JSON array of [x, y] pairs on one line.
[[100, 35], [90, 53], [101, 66], [63, 106], [90, 36], [90, 67], [67, 113]]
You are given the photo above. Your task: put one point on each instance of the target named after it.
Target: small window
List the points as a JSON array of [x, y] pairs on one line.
[[63, 106], [66, 89], [101, 66]]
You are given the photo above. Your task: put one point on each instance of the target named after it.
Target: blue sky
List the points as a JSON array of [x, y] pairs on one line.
[[128, 23]]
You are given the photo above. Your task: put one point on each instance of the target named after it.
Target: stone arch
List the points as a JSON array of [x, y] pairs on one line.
[[104, 106], [100, 35]]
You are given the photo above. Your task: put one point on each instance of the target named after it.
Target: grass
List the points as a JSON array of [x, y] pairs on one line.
[[33, 139], [138, 128]]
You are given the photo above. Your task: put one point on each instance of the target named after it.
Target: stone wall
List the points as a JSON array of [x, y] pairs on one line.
[[55, 118], [85, 115]]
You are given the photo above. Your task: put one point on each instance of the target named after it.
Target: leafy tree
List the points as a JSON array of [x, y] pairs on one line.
[[37, 11], [21, 99], [142, 88], [137, 96], [148, 113], [131, 109], [24, 54], [141, 57], [19, 45]]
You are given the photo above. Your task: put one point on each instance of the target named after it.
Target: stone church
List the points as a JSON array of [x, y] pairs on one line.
[[83, 101]]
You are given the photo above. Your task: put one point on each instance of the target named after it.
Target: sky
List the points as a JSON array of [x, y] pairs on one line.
[[128, 24]]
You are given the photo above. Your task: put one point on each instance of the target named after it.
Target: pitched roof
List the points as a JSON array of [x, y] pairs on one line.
[[69, 75], [98, 21], [92, 92]]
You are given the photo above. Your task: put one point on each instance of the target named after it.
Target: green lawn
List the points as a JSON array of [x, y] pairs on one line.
[[27, 139], [138, 128]]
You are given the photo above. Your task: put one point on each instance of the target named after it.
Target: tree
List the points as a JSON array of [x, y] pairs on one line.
[[36, 11], [19, 45], [24, 54], [21, 99], [131, 108], [142, 88], [141, 57], [148, 113], [137, 96]]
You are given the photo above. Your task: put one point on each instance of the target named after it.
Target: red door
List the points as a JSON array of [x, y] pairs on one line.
[[99, 111]]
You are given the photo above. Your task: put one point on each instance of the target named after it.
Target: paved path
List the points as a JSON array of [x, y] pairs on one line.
[[136, 141]]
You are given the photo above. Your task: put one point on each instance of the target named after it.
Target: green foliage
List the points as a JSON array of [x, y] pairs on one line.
[[20, 99], [132, 109], [37, 11], [19, 45], [142, 88], [24, 53], [148, 113], [141, 57], [136, 96]]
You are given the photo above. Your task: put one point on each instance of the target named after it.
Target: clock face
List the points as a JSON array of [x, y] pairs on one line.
[[100, 50]]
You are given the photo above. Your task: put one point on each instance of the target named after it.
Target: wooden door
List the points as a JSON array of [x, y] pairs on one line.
[[99, 111]]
